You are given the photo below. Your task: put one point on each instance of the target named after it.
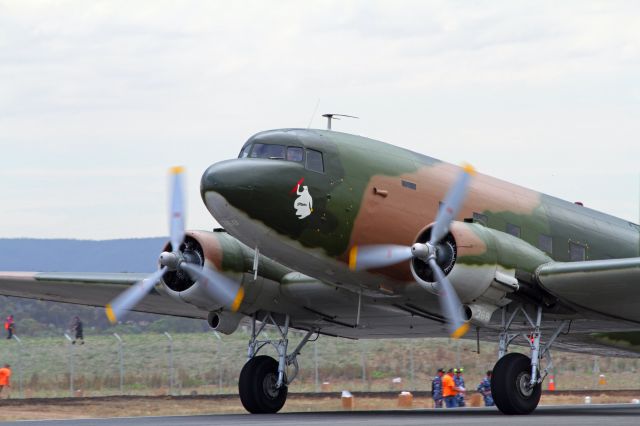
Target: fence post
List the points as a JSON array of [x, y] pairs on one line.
[[411, 365], [20, 356], [120, 361], [596, 371], [364, 365], [315, 361], [170, 362], [218, 359], [71, 366]]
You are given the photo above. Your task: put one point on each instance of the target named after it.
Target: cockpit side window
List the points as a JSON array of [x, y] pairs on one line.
[[274, 152], [295, 153], [314, 161], [245, 151]]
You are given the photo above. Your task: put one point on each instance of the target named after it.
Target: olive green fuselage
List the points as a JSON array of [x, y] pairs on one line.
[[371, 192]]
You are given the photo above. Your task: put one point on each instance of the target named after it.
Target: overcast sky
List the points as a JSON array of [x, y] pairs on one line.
[[99, 98]]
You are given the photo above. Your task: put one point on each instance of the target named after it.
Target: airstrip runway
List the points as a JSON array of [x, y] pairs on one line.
[[620, 414]]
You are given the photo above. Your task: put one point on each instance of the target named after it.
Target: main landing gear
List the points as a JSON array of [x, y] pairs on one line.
[[264, 381], [516, 383]]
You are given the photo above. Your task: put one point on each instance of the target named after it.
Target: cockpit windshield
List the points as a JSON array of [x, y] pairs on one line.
[[245, 151], [273, 152]]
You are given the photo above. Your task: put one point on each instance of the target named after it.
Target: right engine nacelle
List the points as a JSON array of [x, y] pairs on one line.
[[480, 263]]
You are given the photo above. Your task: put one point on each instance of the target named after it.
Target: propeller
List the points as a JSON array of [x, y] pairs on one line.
[[223, 289], [378, 256], [118, 307], [229, 292]]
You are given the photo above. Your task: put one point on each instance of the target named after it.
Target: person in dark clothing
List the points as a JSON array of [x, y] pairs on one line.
[[436, 389], [76, 326], [485, 390], [10, 326]]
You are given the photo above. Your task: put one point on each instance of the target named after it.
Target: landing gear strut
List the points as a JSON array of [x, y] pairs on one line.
[[264, 381], [516, 383]]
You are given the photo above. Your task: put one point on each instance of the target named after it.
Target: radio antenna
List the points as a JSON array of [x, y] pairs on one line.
[[314, 113]]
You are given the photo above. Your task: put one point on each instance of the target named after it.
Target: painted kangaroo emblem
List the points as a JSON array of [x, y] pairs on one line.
[[304, 202]]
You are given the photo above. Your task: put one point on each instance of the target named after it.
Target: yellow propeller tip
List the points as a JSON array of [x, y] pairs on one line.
[[469, 169], [111, 316], [176, 170], [238, 300], [461, 331], [353, 258]]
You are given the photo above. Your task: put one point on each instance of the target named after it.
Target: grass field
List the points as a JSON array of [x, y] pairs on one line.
[[205, 365]]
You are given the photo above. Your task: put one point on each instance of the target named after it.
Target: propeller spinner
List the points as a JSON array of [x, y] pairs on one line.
[[379, 256]]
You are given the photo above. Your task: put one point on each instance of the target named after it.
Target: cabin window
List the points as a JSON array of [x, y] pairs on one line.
[[295, 153], [480, 218], [409, 185], [513, 230], [314, 161], [245, 151], [274, 152], [545, 243], [577, 252]]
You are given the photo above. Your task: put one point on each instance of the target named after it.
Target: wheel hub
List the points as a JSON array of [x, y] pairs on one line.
[[523, 384], [269, 385]]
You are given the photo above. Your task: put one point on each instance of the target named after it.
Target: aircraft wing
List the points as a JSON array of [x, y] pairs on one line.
[[610, 287], [91, 289]]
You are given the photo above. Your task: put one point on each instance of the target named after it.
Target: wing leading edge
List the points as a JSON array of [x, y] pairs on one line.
[[610, 287], [91, 289]]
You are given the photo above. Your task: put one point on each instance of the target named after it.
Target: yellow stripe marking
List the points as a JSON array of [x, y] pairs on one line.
[[110, 314], [176, 170], [353, 258], [469, 169], [461, 331], [238, 300]]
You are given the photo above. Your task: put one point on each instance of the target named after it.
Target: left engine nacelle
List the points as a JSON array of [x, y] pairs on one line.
[[205, 249]]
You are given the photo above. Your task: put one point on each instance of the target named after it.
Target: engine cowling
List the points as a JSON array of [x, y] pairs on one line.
[[204, 249], [480, 263]]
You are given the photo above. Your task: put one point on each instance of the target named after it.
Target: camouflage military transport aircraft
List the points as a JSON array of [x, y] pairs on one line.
[[341, 235]]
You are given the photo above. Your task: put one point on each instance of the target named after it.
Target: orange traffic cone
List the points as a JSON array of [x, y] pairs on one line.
[[552, 383]]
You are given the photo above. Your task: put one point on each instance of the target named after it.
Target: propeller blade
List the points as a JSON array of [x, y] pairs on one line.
[[451, 204], [449, 302], [129, 298], [176, 218], [225, 290], [377, 256]]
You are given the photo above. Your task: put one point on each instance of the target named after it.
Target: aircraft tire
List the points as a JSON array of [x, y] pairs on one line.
[[256, 386], [508, 385]]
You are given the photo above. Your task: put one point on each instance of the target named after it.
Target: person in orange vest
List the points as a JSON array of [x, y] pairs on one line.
[[9, 325], [5, 375], [450, 390]]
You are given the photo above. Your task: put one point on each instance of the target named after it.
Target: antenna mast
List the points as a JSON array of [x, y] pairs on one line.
[[335, 117]]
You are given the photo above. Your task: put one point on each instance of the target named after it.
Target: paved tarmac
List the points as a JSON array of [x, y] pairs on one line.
[[619, 414]]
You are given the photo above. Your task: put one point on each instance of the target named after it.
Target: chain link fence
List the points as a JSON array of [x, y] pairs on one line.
[[209, 363]]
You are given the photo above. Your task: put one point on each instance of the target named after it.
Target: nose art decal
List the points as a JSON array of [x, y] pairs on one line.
[[304, 203]]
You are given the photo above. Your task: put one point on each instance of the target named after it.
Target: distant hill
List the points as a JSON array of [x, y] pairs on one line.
[[36, 318], [53, 255]]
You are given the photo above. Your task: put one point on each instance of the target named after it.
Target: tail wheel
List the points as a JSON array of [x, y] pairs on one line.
[[510, 385], [257, 386]]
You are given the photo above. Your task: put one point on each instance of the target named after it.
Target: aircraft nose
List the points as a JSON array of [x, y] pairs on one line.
[[228, 178]]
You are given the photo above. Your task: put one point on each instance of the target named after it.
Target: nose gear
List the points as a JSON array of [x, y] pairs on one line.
[[264, 381]]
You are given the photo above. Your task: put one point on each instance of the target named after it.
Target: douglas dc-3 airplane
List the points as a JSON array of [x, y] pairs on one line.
[[340, 235]]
